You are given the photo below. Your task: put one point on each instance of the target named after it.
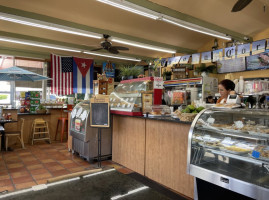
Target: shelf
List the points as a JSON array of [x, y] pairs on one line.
[[234, 134]]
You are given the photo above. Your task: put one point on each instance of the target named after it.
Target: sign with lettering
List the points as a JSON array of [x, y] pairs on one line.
[[184, 59], [195, 58], [217, 55], [243, 50], [229, 53], [109, 69], [158, 83], [258, 47], [206, 57]]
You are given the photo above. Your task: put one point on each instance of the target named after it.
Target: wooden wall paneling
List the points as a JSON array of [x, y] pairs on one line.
[[128, 147], [166, 155]]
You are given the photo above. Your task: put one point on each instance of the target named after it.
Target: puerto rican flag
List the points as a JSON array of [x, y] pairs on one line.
[[82, 75]]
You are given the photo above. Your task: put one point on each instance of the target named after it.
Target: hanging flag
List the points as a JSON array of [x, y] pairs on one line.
[[82, 75], [206, 57], [62, 75], [243, 50], [217, 55], [195, 58], [258, 47], [229, 53], [184, 59]]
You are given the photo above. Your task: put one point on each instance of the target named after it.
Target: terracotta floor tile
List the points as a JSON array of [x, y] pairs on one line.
[[60, 172], [24, 153], [13, 161], [32, 167], [42, 181], [84, 164], [42, 176], [16, 165], [20, 174], [71, 165], [19, 169], [76, 169], [55, 168], [39, 171], [3, 177], [23, 179], [51, 164], [10, 157], [9, 188], [3, 172], [33, 162], [125, 170], [47, 160], [25, 185], [5, 182], [65, 161], [28, 158]]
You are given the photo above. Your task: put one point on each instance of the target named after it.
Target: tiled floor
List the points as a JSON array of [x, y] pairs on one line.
[[24, 168]]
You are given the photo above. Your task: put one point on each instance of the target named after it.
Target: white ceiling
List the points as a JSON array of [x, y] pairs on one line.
[[110, 20]]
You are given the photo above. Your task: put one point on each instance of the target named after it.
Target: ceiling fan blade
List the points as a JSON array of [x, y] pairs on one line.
[[121, 48], [240, 4], [113, 50], [97, 49]]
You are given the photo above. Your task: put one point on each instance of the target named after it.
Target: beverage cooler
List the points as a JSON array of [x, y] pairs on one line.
[[85, 138], [228, 153]]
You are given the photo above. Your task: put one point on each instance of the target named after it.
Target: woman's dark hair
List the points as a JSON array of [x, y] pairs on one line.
[[227, 84]]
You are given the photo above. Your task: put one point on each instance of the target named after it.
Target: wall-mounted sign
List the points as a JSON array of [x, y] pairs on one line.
[[229, 53], [184, 59], [217, 55], [243, 50], [258, 47], [206, 57], [109, 69], [158, 83], [195, 58]]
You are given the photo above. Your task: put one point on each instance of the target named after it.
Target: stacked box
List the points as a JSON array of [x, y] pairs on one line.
[[34, 100]]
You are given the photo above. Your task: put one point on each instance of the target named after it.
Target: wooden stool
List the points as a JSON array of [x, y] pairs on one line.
[[40, 127], [64, 122]]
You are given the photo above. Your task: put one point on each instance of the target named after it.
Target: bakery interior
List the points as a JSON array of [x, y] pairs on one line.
[[157, 71]]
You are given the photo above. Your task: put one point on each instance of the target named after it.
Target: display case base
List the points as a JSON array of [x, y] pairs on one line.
[[126, 113]]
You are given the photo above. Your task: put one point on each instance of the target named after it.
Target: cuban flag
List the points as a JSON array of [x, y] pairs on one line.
[[82, 75]]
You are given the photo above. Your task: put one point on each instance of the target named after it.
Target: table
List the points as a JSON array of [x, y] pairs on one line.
[[2, 124]]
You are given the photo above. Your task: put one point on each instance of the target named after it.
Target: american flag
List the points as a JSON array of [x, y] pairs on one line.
[[62, 75]]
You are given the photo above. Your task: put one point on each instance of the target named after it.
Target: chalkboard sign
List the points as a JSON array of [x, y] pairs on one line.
[[99, 113]]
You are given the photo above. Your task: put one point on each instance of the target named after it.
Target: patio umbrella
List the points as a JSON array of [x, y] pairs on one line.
[[18, 74]]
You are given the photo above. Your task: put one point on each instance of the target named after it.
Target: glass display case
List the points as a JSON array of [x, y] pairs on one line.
[[127, 96], [229, 148], [85, 137]]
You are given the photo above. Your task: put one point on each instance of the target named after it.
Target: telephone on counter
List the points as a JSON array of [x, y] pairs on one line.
[[233, 99]]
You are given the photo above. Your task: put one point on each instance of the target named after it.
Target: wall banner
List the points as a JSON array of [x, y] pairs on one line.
[[229, 53], [195, 58], [243, 50], [206, 57], [258, 47], [184, 59], [173, 61], [217, 55]]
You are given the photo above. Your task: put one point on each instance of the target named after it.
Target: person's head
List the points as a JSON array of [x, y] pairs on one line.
[[225, 86]]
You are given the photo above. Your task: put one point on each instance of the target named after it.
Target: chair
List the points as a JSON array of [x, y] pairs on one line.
[[18, 134], [63, 120], [40, 127]]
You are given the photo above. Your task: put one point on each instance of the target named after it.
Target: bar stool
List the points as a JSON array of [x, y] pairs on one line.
[[40, 127], [64, 123]]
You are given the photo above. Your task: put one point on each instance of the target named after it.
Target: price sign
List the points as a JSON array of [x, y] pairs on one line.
[[158, 83]]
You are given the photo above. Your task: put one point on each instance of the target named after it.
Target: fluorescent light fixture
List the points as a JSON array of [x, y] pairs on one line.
[[130, 192], [111, 56], [141, 45], [196, 28], [47, 25], [38, 44], [131, 8]]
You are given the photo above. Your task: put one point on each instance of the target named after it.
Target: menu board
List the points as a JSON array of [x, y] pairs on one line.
[[258, 61], [232, 65], [99, 114]]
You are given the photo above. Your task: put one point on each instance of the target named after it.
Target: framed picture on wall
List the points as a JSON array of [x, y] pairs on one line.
[[258, 61]]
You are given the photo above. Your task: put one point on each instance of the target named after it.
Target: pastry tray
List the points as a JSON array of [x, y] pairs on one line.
[[258, 134], [235, 152], [208, 146]]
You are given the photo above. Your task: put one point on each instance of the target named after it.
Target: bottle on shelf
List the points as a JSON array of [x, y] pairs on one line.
[[241, 85]]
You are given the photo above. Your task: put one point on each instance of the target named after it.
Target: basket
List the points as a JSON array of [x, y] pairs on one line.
[[187, 117], [41, 111]]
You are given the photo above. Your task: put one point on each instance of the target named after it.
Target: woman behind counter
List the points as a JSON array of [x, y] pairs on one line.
[[225, 87]]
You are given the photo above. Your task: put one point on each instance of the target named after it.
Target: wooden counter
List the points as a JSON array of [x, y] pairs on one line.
[[51, 118], [154, 148]]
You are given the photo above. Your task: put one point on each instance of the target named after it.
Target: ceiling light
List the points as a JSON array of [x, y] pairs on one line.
[[38, 44], [196, 28], [46, 25], [131, 8], [141, 45], [110, 56]]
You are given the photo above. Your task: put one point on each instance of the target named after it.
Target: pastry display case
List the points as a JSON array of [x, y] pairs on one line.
[[84, 136], [229, 148], [127, 96]]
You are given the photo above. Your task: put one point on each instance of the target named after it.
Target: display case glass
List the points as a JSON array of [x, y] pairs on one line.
[[127, 96], [79, 117], [230, 148]]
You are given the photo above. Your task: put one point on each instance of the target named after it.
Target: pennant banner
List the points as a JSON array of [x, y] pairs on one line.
[[229, 53], [195, 58], [206, 57], [258, 47], [217, 55], [82, 75], [184, 59], [109, 69], [243, 50]]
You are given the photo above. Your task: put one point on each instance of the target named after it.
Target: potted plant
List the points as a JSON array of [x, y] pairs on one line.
[[41, 109], [204, 70], [128, 72]]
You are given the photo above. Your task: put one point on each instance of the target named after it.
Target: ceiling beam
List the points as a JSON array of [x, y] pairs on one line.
[[181, 16], [36, 16]]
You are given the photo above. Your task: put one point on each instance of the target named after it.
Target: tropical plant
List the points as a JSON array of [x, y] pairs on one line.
[[130, 71]]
